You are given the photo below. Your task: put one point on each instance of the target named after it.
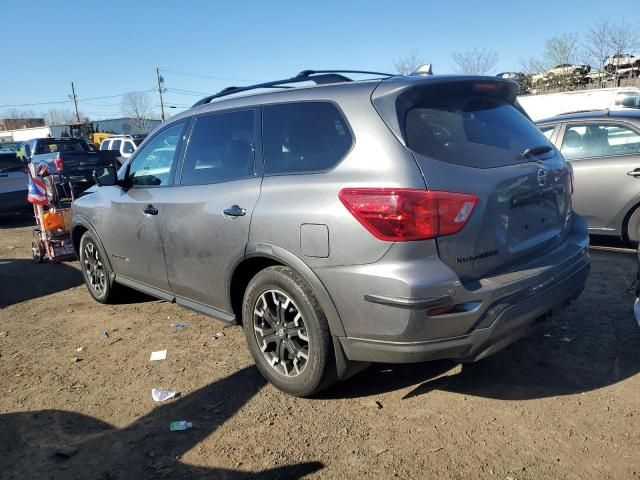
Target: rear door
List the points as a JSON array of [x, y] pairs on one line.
[[605, 156], [468, 137], [206, 223], [13, 182]]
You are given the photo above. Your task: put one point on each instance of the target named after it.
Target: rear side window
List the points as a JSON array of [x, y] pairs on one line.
[[127, 147], [116, 145], [220, 148], [474, 130], [304, 137]]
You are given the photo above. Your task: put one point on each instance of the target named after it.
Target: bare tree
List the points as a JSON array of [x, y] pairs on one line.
[[596, 45], [624, 37], [476, 61], [406, 65], [561, 49], [14, 113], [140, 108], [61, 116], [532, 65]]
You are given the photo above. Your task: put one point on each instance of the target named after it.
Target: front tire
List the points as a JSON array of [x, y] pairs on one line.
[[95, 272], [287, 332]]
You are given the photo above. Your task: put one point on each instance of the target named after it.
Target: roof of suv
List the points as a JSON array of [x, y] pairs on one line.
[[630, 113], [324, 89]]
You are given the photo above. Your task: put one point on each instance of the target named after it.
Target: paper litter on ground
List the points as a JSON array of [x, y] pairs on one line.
[[159, 355]]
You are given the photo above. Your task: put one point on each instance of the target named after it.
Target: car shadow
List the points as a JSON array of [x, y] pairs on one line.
[[22, 279], [23, 218], [592, 344], [63, 444]]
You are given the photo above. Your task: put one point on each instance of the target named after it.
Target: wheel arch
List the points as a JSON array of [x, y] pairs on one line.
[[79, 226], [270, 255], [631, 224]]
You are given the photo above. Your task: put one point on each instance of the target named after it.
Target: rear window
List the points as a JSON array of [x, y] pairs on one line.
[[474, 130], [304, 137], [61, 146]]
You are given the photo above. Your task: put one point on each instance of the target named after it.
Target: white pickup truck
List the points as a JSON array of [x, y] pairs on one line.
[[13, 179]]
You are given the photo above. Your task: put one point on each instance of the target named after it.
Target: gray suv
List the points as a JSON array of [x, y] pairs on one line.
[[396, 219]]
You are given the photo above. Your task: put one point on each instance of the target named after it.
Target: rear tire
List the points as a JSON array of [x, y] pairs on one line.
[[95, 271], [37, 252], [287, 332]]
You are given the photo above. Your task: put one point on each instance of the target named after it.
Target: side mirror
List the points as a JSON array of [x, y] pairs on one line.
[[105, 176]]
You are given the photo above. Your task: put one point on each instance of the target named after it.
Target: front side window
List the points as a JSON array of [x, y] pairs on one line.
[[304, 137], [220, 148], [594, 140], [152, 164]]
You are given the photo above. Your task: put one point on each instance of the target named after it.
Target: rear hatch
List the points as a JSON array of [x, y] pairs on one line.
[[468, 136]]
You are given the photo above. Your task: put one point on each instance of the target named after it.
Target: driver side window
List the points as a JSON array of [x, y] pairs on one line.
[[152, 164]]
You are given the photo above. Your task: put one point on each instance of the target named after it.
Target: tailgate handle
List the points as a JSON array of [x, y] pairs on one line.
[[537, 196], [151, 210], [634, 173]]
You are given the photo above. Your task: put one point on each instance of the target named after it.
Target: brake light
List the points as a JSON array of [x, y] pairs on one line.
[[485, 87], [404, 214], [58, 163]]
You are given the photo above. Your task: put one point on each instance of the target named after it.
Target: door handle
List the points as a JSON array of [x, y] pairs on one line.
[[235, 211], [634, 173], [151, 210], [4, 175]]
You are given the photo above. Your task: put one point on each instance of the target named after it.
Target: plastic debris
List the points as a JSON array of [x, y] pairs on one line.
[[159, 355], [218, 335], [105, 334], [180, 425], [566, 339], [179, 325], [79, 349], [162, 395]]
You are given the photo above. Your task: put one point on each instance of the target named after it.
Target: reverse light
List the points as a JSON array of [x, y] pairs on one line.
[[58, 163], [402, 214]]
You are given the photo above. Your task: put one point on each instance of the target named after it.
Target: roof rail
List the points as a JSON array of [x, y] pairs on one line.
[[320, 77]]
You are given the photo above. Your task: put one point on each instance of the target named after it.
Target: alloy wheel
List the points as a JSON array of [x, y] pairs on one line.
[[94, 269], [281, 333]]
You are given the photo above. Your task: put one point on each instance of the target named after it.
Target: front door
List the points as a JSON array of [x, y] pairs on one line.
[[605, 157], [207, 215], [132, 223]]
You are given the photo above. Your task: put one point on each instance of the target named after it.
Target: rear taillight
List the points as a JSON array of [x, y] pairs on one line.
[[401, 214], [58, 163]]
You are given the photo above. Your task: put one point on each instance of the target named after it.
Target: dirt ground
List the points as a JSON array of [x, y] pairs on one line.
[[562, 403]]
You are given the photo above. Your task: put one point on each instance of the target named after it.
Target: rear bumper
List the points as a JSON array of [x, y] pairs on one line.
[[505, 322], [385, 306]]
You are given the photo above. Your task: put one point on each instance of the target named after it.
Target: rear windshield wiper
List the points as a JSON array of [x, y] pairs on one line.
[[535, 151]]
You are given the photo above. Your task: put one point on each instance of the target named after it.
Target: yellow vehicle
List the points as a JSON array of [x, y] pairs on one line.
[[97, 138]]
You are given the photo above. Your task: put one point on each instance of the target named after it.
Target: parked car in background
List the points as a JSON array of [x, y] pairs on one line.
[[603, 148], [623, 60], [125, 145], [520, 78], [567, 70], [69, 157], [13, 179], [444, 231]]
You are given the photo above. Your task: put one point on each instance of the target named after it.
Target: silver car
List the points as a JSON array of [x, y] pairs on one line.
[[603, 147], [395, 219]]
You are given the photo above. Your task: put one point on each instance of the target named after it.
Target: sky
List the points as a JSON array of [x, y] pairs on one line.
[[110, 48]]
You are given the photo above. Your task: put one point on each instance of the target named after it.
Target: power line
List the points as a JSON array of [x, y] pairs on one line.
[[70, 101]]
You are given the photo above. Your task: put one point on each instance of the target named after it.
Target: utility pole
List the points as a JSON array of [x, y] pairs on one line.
[[160, 82], [75, 101]]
